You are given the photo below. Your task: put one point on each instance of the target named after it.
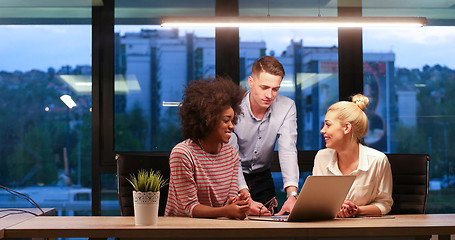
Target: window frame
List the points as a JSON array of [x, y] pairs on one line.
[[350, 57]]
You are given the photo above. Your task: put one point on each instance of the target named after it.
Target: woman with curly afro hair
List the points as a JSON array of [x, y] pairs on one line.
[[204, 168]]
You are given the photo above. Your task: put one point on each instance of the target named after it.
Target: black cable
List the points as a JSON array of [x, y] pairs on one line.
[[22, 196], [15, 211]]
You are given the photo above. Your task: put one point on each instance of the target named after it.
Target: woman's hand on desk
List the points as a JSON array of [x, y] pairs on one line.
[[348, 209], [233, 208], [236, 208]]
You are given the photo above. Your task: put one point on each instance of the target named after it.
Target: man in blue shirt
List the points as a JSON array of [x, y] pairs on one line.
[[267, 117]]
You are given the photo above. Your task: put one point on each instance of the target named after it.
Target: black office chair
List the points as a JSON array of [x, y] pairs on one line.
[[305, 159], [130, 163], [410, 174]]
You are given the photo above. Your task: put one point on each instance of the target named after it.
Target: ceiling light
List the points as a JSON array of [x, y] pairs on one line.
[[307, 22]]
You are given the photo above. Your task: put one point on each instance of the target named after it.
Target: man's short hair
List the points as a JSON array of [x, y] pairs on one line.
[[267, 64]]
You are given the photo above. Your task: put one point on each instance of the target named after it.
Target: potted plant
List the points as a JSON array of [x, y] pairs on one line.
[[146, 195]]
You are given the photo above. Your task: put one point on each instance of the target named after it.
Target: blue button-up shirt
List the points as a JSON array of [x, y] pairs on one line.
[[255, 139]]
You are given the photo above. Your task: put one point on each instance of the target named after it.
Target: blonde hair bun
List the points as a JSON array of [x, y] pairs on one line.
[[361, 101]]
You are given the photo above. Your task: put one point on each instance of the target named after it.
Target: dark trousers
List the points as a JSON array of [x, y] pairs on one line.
[[261, 186]]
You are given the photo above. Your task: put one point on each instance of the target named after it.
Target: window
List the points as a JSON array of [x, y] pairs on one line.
[[310, 61], [45, 145], [45, 142], [152, 66], [409, 83]]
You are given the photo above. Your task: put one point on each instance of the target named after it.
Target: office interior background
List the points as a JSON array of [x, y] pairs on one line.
[[126, 74]]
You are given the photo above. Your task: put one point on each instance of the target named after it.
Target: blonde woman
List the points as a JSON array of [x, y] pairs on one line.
[[345, 124]]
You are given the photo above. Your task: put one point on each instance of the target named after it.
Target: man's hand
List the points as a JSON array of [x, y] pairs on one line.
[[288, 205], [256, 208], [291, 192]]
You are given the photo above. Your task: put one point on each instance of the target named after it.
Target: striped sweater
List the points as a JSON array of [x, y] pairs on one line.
[[198, 177]]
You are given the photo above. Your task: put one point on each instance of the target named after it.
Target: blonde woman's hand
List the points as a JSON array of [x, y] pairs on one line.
[[348, 209]]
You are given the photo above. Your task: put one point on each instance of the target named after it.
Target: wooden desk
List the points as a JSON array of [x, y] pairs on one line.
[[184, 228], [10, 217]]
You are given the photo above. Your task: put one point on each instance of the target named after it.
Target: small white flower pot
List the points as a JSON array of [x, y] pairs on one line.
[[146, 208]]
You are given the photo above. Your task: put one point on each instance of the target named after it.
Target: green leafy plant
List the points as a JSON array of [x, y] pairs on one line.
[[147, 181]]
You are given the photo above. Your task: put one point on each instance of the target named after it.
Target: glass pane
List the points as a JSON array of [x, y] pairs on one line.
[[45, 145], [310, 60], [408, 75], [152, 67], [108, 194], [145, 12], [288, 8]]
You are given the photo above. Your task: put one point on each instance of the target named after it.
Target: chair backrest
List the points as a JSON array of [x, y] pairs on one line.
[[410, 182], [410, 174], [131, 163], [305, 159]]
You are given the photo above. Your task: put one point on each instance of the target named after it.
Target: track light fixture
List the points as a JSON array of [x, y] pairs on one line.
[[304, 22]]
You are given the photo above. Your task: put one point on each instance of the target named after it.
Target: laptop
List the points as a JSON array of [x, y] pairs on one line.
[[320, 199]]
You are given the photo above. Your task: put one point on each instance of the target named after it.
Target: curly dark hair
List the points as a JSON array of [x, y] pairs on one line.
[[203, 102]]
